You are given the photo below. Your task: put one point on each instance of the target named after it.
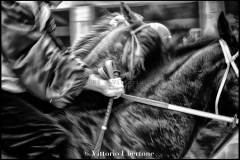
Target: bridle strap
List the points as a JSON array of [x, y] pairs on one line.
[[230, 62], [228, 57], [134, 40], [234, 120]]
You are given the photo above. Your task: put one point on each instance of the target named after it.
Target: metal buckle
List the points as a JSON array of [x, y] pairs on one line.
[[235, 121]]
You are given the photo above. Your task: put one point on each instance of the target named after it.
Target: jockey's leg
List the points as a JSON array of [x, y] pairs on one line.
[[29, 133]]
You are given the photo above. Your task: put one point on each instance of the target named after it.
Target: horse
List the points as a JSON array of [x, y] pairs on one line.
[[107, 39], [189, 76], [156, 72]]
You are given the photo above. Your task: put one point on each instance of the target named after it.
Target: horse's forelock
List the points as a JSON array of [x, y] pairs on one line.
[[149, 39], [150, 43], [146, 56]]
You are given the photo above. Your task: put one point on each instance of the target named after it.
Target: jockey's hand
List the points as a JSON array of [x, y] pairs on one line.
[[111, 88]]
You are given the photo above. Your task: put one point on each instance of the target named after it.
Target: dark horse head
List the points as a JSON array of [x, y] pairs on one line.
[[188, 77]]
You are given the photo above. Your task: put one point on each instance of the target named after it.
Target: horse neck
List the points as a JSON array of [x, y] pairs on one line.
[[170, 58], [201, 70], [187, 87]]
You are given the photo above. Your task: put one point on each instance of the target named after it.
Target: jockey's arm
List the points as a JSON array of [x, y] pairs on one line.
[[43, 68], [112, 88]]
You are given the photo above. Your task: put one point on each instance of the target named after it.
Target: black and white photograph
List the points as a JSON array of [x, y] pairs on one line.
[[119, 80]]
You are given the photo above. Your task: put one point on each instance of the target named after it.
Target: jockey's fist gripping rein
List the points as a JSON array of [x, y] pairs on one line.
[[108, 71]]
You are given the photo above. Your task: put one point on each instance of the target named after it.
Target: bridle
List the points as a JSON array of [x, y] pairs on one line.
[[229, 61], [134, 40]]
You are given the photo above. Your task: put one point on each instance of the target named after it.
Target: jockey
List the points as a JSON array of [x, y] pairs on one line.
[[33, 62], [35, 69]]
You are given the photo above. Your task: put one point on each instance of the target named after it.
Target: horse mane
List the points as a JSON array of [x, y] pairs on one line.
[[152, 50], [168, 54], [178, 55], [193, 46], [98, 31]]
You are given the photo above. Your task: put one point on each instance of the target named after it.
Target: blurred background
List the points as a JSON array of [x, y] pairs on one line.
[[187, 19]]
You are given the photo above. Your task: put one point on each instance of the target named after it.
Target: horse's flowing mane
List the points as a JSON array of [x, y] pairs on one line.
[[97, 33]]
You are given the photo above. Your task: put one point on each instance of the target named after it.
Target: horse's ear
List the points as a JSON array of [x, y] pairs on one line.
[[223, 27], [129, 15]]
